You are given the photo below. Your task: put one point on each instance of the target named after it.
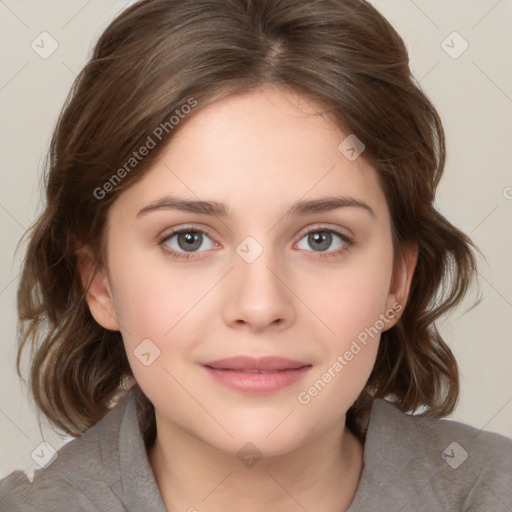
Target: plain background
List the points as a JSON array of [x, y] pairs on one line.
[[473, 94]]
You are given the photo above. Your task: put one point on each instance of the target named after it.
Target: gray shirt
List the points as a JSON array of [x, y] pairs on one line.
[[410, 465]]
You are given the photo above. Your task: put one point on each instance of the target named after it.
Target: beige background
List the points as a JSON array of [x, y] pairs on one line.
[[472, 92]]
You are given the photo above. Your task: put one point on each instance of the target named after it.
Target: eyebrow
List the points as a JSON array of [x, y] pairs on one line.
[[217, 209]]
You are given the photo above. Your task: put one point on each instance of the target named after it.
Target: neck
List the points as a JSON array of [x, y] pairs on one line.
[[322, 475]]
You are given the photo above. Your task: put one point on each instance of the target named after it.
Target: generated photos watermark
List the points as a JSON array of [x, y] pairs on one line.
[[152, 141], [305, 397]]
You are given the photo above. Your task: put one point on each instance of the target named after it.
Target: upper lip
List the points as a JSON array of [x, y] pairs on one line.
[[255, 363]]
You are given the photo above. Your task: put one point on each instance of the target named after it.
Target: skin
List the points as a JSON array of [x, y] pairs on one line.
[[257, 153]]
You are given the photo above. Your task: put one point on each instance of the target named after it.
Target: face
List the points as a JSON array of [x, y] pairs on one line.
[[295, 262]]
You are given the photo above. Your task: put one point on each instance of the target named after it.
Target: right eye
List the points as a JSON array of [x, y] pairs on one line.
[[183, 243]]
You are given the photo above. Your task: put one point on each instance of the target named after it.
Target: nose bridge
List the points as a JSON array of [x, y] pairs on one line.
[[258, 295], [255, 266]]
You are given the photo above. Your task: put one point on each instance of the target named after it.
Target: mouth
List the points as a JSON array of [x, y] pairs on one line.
[[251, 364], [256, 375], [250, 371]]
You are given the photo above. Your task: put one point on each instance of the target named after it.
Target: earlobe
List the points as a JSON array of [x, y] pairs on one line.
[[99, 294]]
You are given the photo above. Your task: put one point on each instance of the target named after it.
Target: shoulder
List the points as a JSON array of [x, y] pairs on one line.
[[479, 445], [80, 472], [445, 463]]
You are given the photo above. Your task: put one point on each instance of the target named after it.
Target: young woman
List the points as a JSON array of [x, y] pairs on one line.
[[232, 292]]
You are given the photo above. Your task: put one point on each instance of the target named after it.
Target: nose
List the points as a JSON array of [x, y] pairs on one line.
[[259, 295]]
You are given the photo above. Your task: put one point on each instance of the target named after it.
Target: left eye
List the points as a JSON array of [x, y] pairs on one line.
[[320, 240]]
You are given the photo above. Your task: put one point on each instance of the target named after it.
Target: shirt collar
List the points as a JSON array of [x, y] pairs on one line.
[[395, 442], [126, 456]]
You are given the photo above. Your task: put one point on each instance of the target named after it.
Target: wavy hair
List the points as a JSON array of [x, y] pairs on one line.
[[155, 56]]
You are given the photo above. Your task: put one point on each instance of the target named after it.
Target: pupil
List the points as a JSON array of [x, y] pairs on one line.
[[192, 241], [322, 238]]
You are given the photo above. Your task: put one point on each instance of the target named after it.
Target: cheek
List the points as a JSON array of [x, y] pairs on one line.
[[349, 352], [157, 309], [153, 295], [352, 297], [350, 305]]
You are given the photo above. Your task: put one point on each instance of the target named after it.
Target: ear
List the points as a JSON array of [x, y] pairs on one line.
[[401, 282], [99, 295]]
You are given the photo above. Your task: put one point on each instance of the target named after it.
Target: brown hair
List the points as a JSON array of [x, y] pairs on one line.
[[151, 60]]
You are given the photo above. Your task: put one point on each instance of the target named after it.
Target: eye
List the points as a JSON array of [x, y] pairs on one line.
[[185, 243], [186, 240], [321, 239]]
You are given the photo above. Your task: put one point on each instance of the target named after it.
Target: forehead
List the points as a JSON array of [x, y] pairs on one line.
[[257, 151]]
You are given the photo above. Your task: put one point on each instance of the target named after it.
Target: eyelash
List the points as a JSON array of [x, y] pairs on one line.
[[187, 256]]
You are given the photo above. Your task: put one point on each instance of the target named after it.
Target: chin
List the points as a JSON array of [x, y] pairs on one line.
[[264, 442]]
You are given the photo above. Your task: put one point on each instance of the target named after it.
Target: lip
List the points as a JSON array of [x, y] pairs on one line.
[[256, 375], [255, 363]]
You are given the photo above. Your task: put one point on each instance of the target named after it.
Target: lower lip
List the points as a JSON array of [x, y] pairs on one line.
[[257, 382]]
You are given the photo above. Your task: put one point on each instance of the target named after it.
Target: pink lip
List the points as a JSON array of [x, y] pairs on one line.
[[255, 363], [234, 372]]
